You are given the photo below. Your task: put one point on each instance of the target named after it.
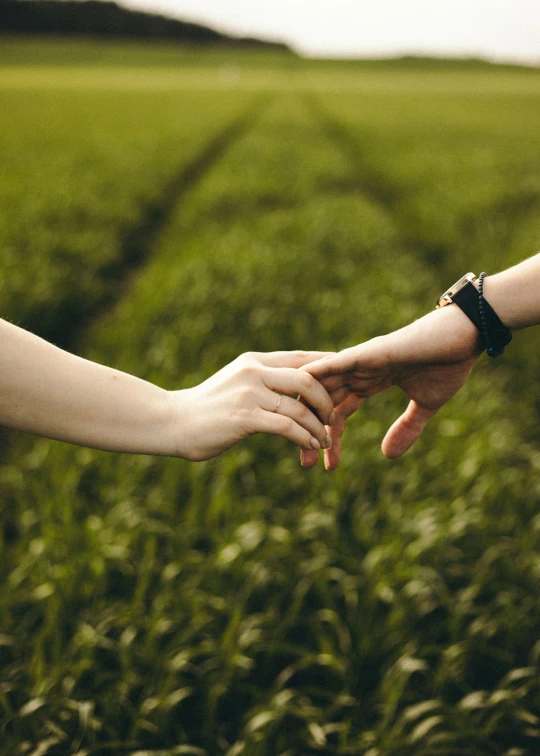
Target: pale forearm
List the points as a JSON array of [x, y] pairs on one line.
[[49, 392]]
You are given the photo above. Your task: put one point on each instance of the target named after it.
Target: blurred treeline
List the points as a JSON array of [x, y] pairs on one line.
[[107, 19]]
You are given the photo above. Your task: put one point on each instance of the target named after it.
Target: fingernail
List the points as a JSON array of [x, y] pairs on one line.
[[328, 441], [315, 444], [332, 419]]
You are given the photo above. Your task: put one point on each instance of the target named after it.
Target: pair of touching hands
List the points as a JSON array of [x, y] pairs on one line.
[[429, 360], [49, 392]]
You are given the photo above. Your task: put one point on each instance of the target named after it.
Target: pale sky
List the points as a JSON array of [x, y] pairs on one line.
[[495, 29]]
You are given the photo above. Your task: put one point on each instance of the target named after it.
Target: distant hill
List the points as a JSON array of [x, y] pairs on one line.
[[100, 18]]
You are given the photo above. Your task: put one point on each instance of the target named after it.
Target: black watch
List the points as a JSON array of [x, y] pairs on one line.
[[494, 335]]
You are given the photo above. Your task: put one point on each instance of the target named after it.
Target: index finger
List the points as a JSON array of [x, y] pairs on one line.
[[334, 364], [294, 359]]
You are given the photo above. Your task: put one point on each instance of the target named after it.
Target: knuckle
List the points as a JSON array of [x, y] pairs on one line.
[[307, 381], [247, 358], [248, 371], [285, 425]]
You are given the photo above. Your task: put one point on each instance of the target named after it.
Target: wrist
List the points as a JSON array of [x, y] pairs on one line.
[[444, 335], [177, 424], [151, 427]]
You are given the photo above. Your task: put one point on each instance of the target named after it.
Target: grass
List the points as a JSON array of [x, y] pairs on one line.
[[83, 182], [244, 605]]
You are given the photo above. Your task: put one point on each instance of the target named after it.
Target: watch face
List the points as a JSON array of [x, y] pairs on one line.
[[446, 298]]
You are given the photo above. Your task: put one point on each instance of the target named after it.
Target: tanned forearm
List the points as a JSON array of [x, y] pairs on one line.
[[514, 294]]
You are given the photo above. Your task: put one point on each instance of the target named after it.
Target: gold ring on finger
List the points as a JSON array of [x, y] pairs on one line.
[[280, 397]]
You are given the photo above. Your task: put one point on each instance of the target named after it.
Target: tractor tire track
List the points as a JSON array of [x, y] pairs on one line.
[[69, 321], [373, 185]]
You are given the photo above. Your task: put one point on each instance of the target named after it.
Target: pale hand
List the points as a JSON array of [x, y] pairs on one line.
[[429, 359], [241, 400]]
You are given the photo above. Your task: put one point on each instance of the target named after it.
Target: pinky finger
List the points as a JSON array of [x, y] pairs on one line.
[[282, 425]]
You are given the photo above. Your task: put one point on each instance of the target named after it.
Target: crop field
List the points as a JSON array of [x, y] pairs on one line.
[[163, 212]]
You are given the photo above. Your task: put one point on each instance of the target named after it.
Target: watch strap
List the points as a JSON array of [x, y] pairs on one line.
[[468, 300]]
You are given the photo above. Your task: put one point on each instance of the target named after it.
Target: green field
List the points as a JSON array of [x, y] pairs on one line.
[[164, 210]]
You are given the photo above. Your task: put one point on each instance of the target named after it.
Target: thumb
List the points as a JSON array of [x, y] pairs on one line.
[[407, 428], [296, 359]]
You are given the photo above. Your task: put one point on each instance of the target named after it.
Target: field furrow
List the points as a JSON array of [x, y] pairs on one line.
[[85, 179], [136, 243]]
